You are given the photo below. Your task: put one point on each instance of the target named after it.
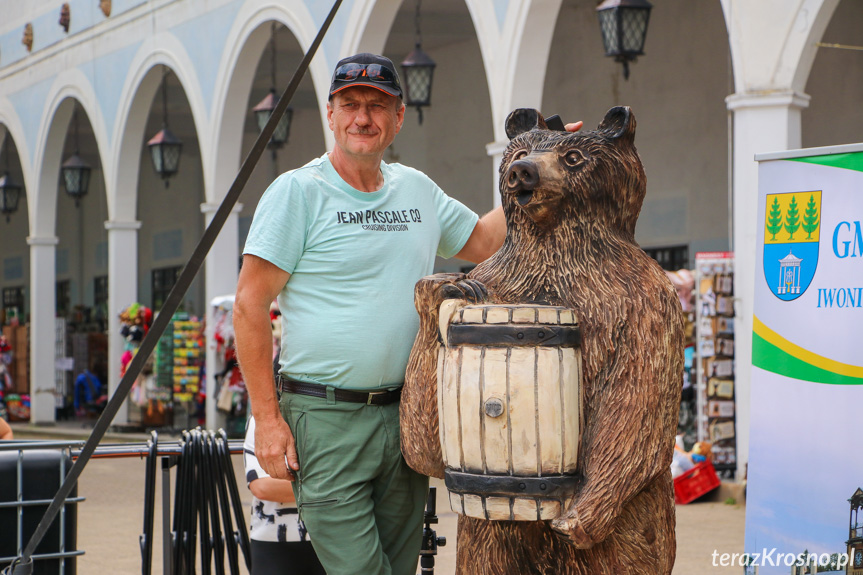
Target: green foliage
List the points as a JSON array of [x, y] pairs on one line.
[[731, 501], [774, 219], [811, 563], [810, 218], [792, 218], [832, 566]]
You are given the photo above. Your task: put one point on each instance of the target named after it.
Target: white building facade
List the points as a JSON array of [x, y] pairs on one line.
[[719, 82]]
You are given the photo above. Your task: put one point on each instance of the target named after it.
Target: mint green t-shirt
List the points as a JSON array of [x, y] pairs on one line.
[[348, 317]]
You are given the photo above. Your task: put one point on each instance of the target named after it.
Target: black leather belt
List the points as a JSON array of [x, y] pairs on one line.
[[316, 390]]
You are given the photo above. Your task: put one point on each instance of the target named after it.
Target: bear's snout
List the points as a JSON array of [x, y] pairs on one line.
[[522, 178]]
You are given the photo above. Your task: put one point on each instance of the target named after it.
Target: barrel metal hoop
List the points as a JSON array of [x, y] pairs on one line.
[[511, 486], [514, 335]]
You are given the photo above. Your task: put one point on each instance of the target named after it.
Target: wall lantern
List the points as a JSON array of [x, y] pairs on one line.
[[27, 40], [623, 24], [10, 192], [75, 171], [65, 17], [165, 147], [265, 107], [418, 69]]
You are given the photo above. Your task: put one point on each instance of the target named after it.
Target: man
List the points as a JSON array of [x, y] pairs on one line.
[[89, 399], [341, 242]]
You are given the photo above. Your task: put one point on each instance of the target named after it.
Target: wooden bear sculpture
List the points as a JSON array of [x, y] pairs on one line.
[[571, 202]]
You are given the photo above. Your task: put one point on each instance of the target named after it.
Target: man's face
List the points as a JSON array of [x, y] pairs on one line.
[[364, 120]]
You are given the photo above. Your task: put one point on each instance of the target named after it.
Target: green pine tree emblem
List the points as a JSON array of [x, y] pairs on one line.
[[774, 219], [810, 218], [792, 218]]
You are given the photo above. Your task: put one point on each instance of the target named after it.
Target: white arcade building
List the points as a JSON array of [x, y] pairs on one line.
[[719, 81]]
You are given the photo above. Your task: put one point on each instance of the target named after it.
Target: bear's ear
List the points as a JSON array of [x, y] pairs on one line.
[[523, 120], [619, 122]]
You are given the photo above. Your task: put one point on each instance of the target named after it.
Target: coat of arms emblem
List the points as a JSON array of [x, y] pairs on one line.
[[791, 239]]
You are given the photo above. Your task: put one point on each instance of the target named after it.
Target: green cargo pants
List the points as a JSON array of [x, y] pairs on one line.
[[361, 503]]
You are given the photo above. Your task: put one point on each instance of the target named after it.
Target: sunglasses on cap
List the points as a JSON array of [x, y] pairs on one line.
[[372, 72]]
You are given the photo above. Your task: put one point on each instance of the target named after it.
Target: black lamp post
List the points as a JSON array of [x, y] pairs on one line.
[[264, 109], [10, 192], [75, 171], [418, 70], [165, 147], [623, 24]]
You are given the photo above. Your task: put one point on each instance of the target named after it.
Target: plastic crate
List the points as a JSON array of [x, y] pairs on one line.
[[694, 483]]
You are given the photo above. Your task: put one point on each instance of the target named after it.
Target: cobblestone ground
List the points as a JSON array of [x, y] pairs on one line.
[[111, 520]]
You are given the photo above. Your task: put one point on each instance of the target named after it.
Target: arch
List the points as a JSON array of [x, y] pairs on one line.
[[136, 99], [793, 62], [506, 52], [374, 20], [496, 58], [805, 48], [14, 129], [70, 85], [531, 26], [246, 43]]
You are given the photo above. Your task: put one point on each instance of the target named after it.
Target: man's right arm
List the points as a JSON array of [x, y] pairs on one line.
[[259, 283], [5, 430]]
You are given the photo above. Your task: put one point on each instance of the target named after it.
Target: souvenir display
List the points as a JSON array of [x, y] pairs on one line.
[[715, 395]]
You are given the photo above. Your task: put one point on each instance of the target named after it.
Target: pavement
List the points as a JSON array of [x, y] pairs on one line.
[[111, 518]]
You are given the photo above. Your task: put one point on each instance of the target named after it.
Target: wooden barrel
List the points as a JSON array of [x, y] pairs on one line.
[[509, 402]]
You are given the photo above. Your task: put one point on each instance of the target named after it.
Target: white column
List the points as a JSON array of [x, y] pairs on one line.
[[766, 121], [221, 269], [122, 291], [496, 150], [42, 311]]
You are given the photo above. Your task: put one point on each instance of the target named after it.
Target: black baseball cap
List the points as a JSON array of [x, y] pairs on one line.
[[366, 70]]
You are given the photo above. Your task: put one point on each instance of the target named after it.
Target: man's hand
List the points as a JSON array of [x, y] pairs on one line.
[[275, 448]]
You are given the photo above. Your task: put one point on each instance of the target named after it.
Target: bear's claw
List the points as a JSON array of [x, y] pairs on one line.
[[468, 289], [570, 530]]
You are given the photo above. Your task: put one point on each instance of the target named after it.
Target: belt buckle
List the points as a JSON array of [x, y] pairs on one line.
[[372, 394]]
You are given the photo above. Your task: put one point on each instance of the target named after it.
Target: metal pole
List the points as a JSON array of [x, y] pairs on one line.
[[167, 564]]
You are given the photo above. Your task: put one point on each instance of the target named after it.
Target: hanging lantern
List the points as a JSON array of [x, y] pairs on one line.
[[75, 172], [10, 192], [165, 147], [265, 107], [76, 176], [418, 69], [264, 110], [623, 24], [165, 150]]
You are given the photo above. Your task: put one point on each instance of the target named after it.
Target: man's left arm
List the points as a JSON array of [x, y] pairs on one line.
[[486, 238]]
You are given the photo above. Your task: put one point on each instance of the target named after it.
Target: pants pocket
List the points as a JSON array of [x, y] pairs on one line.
[[285, 406], [319, 503]]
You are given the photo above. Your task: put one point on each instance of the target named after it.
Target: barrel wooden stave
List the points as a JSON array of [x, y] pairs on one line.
[[469, 402]]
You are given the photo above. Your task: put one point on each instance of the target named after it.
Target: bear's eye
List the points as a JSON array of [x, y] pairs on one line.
[[519, 155], [573, 158]]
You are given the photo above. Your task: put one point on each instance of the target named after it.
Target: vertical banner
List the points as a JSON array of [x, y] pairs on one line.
[[804, 509]]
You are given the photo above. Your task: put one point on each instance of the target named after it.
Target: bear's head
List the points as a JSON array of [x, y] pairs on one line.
[[552, 178]]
